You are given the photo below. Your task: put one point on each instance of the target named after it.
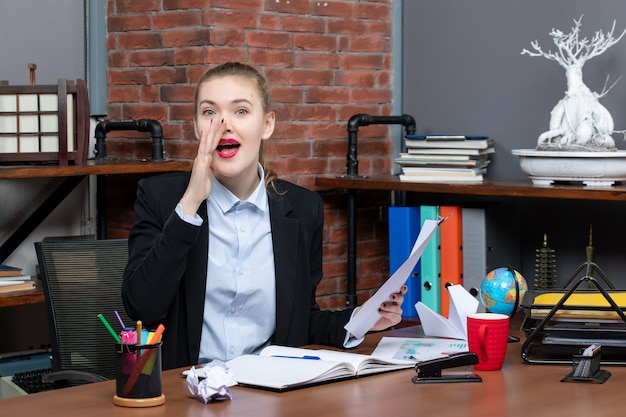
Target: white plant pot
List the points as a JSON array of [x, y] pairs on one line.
[[590, 168]]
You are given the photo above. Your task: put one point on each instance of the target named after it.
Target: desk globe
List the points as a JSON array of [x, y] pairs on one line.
[[498, 290]]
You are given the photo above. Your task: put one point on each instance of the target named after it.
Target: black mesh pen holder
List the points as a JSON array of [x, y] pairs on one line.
[[587, 369]]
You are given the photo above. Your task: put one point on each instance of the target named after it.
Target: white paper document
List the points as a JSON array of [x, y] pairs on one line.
[[417, 349], [462, 304], [368, 314]]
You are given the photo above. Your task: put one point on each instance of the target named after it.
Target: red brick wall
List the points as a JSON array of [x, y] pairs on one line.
[[326, 61]]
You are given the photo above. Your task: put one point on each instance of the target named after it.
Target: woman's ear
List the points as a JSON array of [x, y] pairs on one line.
[[270, 122]]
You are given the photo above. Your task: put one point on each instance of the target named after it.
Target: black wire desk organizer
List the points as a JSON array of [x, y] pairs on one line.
[[586, 367], [558, 323]]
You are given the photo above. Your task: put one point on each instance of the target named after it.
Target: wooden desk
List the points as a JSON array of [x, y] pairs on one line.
[[519, 389]]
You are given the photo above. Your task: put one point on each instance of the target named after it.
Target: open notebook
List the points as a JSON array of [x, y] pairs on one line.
[[283, 368]]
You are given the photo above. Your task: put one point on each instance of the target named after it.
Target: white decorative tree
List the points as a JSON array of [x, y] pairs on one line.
[[578, 122]]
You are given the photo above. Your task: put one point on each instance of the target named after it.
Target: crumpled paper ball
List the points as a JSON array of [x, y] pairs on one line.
[[211, 382]]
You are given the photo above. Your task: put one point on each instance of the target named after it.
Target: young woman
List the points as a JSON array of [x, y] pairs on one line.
[[228, 257]]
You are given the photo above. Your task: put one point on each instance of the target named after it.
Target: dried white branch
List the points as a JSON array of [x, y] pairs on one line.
[[572, 50], [606, 90]]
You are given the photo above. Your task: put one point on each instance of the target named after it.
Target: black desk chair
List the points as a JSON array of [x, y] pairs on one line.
[[81, 279]]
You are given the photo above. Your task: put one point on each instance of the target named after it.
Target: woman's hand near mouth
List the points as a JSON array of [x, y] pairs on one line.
[[199, 186]]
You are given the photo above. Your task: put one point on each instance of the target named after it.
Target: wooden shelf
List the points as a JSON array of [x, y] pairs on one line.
[[92, 167], [497, 188]]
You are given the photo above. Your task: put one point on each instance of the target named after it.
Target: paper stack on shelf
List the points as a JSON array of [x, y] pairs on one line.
[[16, 286], [12, 279], [445, 158]]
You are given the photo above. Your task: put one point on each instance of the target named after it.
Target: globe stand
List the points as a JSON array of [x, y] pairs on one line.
[[514, 339]]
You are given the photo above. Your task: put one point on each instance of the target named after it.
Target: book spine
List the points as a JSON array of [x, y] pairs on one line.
[[455, 144], [430, 263], [9, 271], [445, 137], [451, 252], [404, 227]]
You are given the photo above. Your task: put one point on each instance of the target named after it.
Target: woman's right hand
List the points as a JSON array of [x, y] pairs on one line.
[[199, 186]]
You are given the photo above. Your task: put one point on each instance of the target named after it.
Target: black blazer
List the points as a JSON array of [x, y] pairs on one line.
[[165, 278]]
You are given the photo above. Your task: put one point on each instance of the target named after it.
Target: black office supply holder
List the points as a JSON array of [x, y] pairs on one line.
[[557, 342], [587, 369], [430, 371]]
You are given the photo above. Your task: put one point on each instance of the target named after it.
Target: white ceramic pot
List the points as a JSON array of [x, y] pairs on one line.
[[589, 168]]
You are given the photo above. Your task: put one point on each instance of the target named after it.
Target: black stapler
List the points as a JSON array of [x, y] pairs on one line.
[[429, 372]]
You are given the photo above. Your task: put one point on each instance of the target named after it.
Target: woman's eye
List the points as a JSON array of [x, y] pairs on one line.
[[241, 111], [208, 112]]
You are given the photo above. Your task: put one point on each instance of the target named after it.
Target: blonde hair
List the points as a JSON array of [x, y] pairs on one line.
[[242, 70]]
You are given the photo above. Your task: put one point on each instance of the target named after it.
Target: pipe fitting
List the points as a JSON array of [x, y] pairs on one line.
[[143, 125], [358, 120]]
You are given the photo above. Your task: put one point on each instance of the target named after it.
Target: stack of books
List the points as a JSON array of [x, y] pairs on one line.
[[445, 158], [12, 279]]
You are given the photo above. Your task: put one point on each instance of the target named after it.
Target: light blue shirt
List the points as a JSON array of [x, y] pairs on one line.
[[240, 298]]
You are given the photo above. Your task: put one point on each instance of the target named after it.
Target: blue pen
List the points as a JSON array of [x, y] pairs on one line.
[[315, 358]]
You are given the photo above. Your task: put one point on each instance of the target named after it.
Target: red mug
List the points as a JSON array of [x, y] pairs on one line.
[[488, 337]]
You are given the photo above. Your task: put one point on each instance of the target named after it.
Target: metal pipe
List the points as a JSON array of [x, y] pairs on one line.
[[101, 207], [353, 171], [351, 298], [361, 119], [143, 125]]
